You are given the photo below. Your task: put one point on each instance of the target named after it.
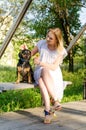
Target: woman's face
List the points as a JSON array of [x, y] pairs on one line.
[[51, 39]]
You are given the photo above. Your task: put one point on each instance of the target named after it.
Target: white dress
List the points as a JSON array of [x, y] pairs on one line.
[[49, 57]]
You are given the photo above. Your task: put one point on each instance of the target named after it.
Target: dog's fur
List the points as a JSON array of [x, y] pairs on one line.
[[24, 70]]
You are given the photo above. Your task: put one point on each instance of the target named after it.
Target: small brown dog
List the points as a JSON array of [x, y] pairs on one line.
[[24, 70]]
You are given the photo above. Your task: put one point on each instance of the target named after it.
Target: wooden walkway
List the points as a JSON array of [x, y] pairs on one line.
[[71, 117], [13, 86]]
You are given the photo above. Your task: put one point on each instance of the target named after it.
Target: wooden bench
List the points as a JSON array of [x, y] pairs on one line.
[[13, 86]]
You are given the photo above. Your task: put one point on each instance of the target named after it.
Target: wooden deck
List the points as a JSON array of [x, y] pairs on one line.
[[13, 86]]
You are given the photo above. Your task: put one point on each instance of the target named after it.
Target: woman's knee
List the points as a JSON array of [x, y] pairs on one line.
[[45, 71]]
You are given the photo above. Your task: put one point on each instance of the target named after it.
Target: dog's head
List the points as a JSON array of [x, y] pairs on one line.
[[25, 54]]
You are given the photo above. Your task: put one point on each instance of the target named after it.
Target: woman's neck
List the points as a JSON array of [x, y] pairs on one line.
[[51, 47]]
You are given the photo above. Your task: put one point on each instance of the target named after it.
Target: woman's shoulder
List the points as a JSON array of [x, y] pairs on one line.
[[41, 43], [63, 51]]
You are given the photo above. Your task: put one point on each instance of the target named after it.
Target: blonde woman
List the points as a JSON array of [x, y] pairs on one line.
[[47, 73]]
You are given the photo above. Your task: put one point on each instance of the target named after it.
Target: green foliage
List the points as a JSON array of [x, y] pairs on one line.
[[74, 91], [55, 13], [15, 100]]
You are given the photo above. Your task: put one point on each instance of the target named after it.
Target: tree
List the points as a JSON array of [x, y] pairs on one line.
[[50, 13], [55, 13]]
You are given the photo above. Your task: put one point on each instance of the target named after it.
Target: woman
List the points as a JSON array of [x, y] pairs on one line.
[[47, 73]]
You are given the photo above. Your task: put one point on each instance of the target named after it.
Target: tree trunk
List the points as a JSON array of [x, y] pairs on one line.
[[85, 52], [71, 63], [67, 37]]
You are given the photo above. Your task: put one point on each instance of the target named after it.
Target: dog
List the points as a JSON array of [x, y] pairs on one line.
[[24, 69]]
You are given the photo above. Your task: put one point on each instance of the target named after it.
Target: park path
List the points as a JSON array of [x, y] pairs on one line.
[[71, 117]]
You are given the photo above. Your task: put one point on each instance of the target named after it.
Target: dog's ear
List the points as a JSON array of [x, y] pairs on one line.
[[23, 47], [20, 54]]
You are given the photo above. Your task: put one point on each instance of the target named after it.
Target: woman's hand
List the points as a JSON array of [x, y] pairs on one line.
[[36, 60], [52, 66]]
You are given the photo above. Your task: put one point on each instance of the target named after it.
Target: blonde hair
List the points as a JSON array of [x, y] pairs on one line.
[[58, 34]]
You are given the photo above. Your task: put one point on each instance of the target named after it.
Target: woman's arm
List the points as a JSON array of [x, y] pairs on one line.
[[52, 66], [57, 62], [34, 51]]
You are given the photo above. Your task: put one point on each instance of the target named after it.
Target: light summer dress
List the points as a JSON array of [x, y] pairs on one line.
[[49, 57]]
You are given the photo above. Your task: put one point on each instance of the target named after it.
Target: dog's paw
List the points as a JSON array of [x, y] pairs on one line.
[[29, 82], [17, 82]]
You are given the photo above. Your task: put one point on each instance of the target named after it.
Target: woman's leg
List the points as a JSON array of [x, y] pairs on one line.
[[48, 81], [45, 94], [46, 98]]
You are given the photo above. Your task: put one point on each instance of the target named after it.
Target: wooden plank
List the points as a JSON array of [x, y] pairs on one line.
[[76, 38], [13, 86]]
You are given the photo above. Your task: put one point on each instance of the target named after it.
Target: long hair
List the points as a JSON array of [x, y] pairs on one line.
[[58, 34]]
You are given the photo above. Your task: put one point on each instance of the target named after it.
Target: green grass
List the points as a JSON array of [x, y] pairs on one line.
[[7, 74], [74, 92], [21, 99]]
